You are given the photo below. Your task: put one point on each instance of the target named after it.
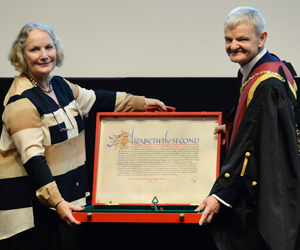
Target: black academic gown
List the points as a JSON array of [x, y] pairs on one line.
[[267, 203]]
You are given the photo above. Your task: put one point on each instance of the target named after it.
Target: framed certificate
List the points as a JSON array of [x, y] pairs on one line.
[[150, 163]]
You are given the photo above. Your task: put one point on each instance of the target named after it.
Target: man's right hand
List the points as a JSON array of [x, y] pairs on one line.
[[211, 207]]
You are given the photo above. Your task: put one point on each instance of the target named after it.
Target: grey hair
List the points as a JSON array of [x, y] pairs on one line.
[[244, 15], [17, 53]]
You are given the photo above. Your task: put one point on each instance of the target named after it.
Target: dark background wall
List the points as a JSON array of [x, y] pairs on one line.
[[187, 95]]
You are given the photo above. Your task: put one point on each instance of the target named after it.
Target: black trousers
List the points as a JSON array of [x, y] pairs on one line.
[[49, 233]]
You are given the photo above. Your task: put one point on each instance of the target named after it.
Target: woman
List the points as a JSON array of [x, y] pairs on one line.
[[42, 147]]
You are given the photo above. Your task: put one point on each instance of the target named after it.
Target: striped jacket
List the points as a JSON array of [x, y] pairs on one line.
[[38, 158]]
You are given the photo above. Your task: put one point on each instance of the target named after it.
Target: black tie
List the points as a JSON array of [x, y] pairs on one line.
[[240, 77]]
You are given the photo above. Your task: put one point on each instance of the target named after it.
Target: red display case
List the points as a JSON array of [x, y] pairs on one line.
[[153, 167]]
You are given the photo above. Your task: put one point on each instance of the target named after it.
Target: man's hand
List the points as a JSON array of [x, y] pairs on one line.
[[221, 129], [212, 206], [154, 102], [64, 210]]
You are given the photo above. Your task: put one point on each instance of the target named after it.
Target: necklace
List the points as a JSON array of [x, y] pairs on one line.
[[36, 84], [259, 73]]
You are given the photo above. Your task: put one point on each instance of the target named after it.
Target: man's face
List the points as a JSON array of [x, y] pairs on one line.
[[242, 43]]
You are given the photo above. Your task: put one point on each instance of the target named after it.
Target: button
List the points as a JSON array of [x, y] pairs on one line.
[[227, 175], [247, 154], [254, 183]]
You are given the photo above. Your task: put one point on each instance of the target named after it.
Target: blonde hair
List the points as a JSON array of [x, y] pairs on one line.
[[17, 55], [244, 15]]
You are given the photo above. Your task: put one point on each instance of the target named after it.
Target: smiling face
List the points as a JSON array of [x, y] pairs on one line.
[[40, 54], [242, 43]]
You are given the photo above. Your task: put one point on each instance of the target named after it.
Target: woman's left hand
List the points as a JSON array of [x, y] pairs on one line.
[[154, 102]]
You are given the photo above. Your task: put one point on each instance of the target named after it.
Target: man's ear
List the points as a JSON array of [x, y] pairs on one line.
[[262, 39]]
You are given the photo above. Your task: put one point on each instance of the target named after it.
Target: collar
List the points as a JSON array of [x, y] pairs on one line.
[[245, 70]]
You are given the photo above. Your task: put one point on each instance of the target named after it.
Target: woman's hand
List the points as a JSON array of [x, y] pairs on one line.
[[154, 102], [65, 209]]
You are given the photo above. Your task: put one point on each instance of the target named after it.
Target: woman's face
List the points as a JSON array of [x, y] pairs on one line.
[[40, 54]]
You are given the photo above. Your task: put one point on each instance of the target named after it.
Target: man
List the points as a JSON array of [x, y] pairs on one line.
[[255, 202]]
